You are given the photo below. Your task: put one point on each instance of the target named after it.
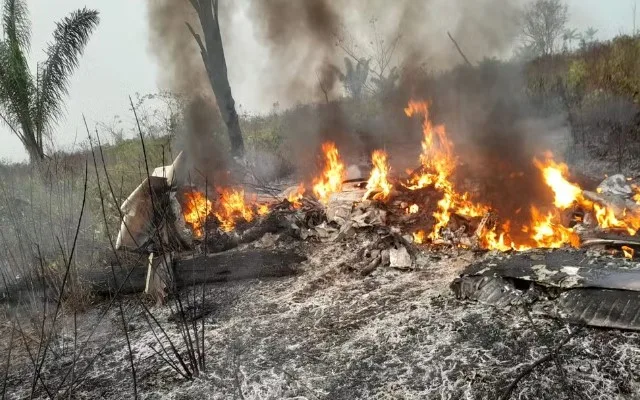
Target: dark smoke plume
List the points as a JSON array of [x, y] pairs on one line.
[[183, 72]]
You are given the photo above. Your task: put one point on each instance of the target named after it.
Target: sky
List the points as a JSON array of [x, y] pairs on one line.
[[117, 62]]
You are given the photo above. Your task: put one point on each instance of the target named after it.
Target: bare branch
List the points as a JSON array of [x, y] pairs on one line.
[[203, 50], [466, 60]]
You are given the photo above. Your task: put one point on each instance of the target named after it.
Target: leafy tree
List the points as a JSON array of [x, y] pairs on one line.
[[543, 23], [33, 104]]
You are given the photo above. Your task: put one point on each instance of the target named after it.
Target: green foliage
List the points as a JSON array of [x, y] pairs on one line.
[[611, 67], [577, 75], [31, 104]]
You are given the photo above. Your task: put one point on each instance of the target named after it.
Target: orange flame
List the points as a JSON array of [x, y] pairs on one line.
[[628, 252], [332, 176], [263, 209], [607, 219], [418, 237], [378, 179], [438, 164], [549, 233], [413, 209], [566, 193], [295, 198], [232, 207], [195, 211]]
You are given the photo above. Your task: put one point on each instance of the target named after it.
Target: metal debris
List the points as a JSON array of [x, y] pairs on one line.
[[573, 285]]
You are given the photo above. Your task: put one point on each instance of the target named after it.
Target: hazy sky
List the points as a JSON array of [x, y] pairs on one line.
[[117, 63]]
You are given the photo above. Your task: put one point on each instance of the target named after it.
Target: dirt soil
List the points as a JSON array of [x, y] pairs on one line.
[[329, 333]]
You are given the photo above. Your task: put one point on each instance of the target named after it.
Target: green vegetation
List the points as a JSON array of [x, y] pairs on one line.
[[31, 104]]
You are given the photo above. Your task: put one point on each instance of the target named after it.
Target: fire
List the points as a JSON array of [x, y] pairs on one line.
[[295, 198], [232, 207], [413, 209], [636, 195], [437, 166], [263, 209], [492, 241], [607, 219], [418, 237], [628, 252], [195, 211], [378, 181], [549, 233], [566, 193], [333, 174]]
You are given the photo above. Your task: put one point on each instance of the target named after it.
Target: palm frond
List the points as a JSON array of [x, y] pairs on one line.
[[70, 38], [16, 89], [16, 24]]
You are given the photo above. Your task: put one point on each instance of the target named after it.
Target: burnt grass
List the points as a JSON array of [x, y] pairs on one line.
[[329, 333]]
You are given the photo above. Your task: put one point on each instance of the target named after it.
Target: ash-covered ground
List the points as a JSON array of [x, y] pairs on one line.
[[330, 333]]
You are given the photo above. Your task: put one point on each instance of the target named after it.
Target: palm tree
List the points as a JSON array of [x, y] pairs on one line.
[[569, 36], [32, 104]]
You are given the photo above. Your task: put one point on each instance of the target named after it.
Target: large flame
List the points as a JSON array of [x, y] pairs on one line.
[[437, 166], [195, 211], [378, 181], [333, 173], [232, 207]]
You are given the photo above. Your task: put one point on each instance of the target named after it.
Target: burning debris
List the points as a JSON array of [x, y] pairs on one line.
[[427, 204]]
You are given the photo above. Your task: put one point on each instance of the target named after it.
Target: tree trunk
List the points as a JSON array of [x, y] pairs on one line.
[[36, 153], [213, 57]]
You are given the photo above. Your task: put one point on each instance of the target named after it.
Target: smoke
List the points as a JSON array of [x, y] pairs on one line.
[[300, 37], [182, 71]]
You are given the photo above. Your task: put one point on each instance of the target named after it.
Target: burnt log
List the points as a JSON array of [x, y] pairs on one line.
[[196, 269]]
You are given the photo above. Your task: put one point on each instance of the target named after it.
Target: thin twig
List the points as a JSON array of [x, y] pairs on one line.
[[466, 60], [113, 272]]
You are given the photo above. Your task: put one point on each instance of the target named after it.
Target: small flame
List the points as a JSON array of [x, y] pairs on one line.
[[378, 181], [492, 241], [607, 219], [636, 195], [263, 209], [418, 236], [549, 233], [628, 252], [232, 207], [332, 176], [413, 209], [295, 198], [195, 211]]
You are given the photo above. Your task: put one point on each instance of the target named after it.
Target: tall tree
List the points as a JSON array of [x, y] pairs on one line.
[[543, 23], [32, 104], [212, 53]]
